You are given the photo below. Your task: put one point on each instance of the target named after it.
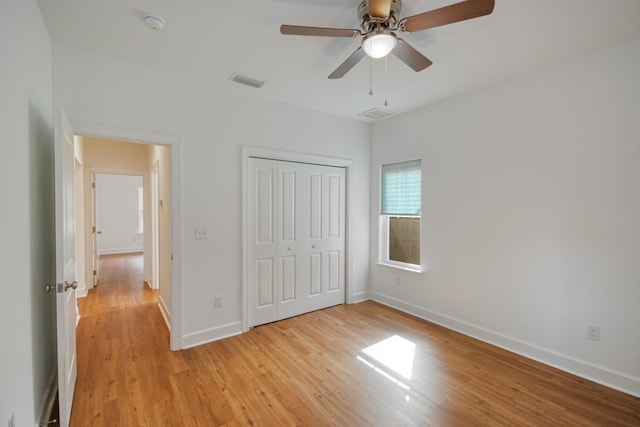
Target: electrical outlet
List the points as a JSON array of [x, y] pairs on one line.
[[201, 233], [12, 420], [218, 302], [593, 333]]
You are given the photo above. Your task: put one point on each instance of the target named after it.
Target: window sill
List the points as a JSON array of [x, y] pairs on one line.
[[411, 272]]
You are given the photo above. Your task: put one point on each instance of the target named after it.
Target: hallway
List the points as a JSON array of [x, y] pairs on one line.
[[120, 329]]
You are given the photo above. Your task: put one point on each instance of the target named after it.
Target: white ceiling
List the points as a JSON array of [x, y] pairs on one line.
[[211, 39]]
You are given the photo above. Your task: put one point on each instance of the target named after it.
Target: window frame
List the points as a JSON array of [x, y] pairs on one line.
[[384, 232]]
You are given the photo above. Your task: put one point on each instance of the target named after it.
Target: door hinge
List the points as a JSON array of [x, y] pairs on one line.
[[93, 229], [93, 185], [95, 273]]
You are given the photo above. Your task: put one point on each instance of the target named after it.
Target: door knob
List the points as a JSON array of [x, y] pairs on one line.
[[73, 285], [48, 288]]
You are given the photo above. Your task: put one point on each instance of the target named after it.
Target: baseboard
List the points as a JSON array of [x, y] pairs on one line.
[[82, 291], [118, 251], [213, 334], [361, 296], [150, 283], [166, 314], [48, 400], [605, 376]]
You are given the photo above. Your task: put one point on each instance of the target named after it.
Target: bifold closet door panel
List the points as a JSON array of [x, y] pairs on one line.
[[326, 244], [291, 194], [264, 259]]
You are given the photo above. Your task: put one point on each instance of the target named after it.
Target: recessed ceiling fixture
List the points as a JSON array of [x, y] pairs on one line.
[[247, 81], [154, 22]]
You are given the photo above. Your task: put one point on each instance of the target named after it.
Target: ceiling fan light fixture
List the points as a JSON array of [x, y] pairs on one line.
[[379, 44]]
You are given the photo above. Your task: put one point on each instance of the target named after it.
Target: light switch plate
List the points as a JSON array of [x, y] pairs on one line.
[[201, 233]]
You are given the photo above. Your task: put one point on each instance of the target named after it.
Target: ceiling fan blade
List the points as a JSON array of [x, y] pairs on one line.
[[447, 15], [348, 64], [379, 8], [410, 56], [297, 30]]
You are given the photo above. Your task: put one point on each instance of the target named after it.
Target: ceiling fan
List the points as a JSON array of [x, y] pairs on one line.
[[380, 21]]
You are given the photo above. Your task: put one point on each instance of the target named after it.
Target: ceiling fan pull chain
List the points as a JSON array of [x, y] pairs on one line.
[[386, 80], [370, 76]]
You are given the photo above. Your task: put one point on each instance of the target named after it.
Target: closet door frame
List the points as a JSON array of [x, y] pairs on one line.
[[289, 156]]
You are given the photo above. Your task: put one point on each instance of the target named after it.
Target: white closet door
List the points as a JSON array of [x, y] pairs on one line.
[[292, 265], [297, 238], [263, 245], [324, 239]]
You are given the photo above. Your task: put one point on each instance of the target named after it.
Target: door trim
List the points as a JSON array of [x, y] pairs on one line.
[[291, 156], [175, 145]]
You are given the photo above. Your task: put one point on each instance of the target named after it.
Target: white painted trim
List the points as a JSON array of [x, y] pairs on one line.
[[48, 400], [82, 290], [599, 374], [118, 251], [110, 171], [396, 269], [292, 156], [212, 334], [166, 314], [175, 145], [361, 296]]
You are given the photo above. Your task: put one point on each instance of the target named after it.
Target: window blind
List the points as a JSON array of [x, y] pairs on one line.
[[401, 188]]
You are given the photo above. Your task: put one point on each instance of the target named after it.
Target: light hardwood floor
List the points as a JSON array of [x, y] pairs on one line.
[[318, 369]]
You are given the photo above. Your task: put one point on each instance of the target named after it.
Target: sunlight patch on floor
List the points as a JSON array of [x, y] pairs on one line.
[[391, 356]]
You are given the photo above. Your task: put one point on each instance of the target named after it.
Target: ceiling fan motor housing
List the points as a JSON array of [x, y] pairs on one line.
[[370, 23]]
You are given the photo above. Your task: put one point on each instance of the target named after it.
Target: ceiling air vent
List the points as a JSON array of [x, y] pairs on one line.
[[376, 113], [247, 81]]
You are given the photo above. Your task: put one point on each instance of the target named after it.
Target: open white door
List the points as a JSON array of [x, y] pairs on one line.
[[155, 229], [65, 266], [95, 232]]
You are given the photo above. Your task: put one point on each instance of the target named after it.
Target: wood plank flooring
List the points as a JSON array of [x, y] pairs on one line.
[[326, 368]]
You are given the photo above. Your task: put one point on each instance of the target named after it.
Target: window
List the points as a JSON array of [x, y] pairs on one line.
[[400, 211], [140, 212]]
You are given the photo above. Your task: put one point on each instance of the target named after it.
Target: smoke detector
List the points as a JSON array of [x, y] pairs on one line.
[[154, 22]]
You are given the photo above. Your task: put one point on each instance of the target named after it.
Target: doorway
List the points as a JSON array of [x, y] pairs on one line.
[[122, 187], [162, 168], [119, 214]]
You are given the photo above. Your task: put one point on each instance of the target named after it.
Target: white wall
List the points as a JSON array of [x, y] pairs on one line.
[[27, 314], [117, 208], [531, 213], [214, 119]]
